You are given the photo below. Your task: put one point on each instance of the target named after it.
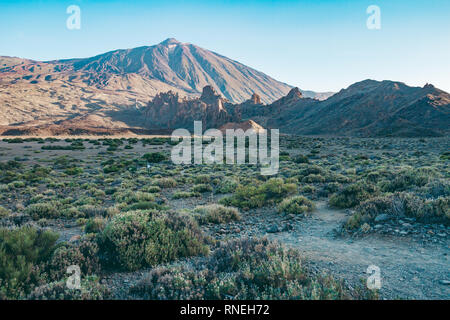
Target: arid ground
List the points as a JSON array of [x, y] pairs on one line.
[[140, 227]]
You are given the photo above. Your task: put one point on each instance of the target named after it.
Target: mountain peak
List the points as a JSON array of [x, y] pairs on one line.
[[169, 41], [294, 93]]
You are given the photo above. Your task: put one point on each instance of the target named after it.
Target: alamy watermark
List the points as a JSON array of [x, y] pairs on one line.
[[374, 20], [374, 280], [236, 151], [73, 22], [74, 280]]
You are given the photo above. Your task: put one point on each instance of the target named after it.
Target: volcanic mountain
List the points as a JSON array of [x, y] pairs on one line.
[[122, 81]]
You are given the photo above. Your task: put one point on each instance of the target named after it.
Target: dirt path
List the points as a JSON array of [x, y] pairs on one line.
[[408, 269]]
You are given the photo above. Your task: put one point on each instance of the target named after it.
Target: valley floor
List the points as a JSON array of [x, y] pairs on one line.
[[412, 254]]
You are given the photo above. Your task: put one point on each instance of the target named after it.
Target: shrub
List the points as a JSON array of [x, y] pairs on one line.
[[227, 186], [166, 183], [134, 240], [94, 225], [437, 188], [42, 210], [313, 178], [311, 169], [296, 205], [142, 205], [152, 189], [445, 156], [407, 179], [245, 269], [247, 197], [307, 189], [401, 205], [91, 289], [301, 159], [85, 255], [201, 188], [184, 195], [154, 157], [89, 211], [23, 252], [73, 171], [4, 212], [202, 179], [216, 213], [353, 195]]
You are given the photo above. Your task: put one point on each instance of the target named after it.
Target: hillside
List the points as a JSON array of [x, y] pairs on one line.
[[59, 90], [372, 108]]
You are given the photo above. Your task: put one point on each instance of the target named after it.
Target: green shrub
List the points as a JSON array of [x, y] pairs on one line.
[[4, 212], [143, 205], [88, 211], [445, 155], [201, 188], [42, 210], [216, 213], [94, 225], [134, 240], [202, 179], [154, 157], [85, 255], [91, 289], [73, 171], [307, 189], [247, 197], [301, 159], [185, 194], [227, 185], [166, 183], [401, 205], [313, 178], [353, 195], [296, 205], [152, 189], [311, 169], [407, 179], [23, 252], [245, 269]]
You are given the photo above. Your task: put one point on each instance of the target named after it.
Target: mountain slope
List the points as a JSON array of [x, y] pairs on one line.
[[56, 90], [372, 108], [186, 67]]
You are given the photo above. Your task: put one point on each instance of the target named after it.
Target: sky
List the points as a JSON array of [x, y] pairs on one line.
[[321, 45]]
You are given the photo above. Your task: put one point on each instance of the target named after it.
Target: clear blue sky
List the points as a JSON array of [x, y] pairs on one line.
[[318, 45]]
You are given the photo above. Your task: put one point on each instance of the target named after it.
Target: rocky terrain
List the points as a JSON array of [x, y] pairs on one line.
[[372, 108], [158, 88], [35, 95], [368, 108]]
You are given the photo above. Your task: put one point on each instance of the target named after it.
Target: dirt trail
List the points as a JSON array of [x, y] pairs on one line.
[[408, 269]]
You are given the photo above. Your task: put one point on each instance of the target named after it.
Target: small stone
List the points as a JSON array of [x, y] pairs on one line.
[[407, 225], [381, 217], [75, 238], [273, 229], [365, 228]]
